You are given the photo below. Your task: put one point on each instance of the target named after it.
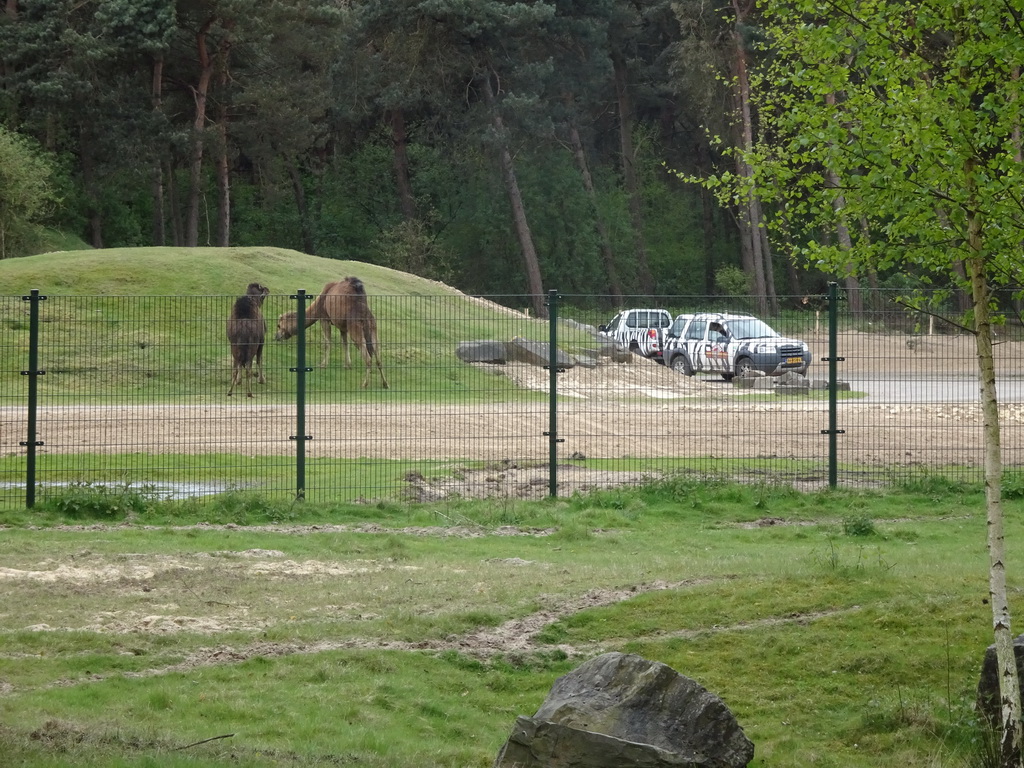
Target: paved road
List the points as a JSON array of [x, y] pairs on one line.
[[932, 389], [926, 388]]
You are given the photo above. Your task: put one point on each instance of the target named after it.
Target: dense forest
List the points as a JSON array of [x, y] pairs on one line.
[[503, 147]]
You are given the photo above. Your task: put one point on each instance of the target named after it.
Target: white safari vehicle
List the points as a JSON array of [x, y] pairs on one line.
[[639, 330], [731, 344]]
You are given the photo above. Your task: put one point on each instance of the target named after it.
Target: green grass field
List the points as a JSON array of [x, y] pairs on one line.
[[842, 629], [148, 325]]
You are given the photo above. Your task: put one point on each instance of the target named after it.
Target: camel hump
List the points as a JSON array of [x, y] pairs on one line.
[[357, 285], [247, 308]]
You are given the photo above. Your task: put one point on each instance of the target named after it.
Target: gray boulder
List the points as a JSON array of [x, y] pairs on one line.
[[623, 711], [481, 352], [536, 353], [610, 348], [586, 358], [988, 684], [792, 383], [792, 379]]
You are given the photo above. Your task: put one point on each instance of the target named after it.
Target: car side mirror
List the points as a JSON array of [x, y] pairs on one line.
[[602, 328]]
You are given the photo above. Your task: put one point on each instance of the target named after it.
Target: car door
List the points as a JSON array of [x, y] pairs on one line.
[[717, 347], [694, 342]]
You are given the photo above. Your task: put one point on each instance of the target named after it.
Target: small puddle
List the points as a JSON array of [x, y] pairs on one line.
[[170, 491]]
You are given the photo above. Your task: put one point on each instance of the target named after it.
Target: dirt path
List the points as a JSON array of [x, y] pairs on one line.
[[637, 409]]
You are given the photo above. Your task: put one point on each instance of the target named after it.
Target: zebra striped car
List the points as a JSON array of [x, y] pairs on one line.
[[731, 345], [639, 330]]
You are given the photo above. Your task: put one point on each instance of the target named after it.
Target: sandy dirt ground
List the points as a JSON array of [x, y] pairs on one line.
[[633, 409], [616, 410], [166, 616]]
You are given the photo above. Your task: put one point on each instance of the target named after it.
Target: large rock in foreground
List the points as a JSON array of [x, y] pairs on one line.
[[989, 700], [623, 711]]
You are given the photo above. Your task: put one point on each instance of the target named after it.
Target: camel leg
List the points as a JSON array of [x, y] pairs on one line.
[[372, 354], [376, 355], [344, 344], [325, 329], [234, 379], [259, 365], [367, 361]]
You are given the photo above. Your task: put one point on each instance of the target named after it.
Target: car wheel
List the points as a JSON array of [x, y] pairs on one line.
[[744, 366], [681, 365]]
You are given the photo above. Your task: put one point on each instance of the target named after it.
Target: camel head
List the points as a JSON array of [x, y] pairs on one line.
[[258, 292], [287, 326]]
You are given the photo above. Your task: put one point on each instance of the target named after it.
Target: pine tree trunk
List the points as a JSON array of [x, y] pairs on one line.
[[535, 284], [399, 142], [708, 228], [769, 269], [299, 190], [853, 295], [157, 189], [173, 207], [629, 175], [91, 195], [223, 238], [750, 219], [604, 241], [200, 94]]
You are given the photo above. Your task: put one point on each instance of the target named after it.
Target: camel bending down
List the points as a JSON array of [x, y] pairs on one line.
[[341, 305], [247, 331]]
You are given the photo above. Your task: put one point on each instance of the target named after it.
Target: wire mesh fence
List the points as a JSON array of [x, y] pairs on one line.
[[133, 391]]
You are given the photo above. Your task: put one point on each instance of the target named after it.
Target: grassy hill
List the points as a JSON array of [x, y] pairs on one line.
[[195, 271], [149, 324]]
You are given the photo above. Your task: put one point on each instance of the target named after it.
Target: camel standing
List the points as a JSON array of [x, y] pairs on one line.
[[341, 305], [247, 331]]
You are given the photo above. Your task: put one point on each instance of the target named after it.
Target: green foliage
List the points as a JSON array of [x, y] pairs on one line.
[[307, 113], [731, 281], [410, 246], [96, 501], [859, 526], [408, 619], [922, 158], [26, 191]]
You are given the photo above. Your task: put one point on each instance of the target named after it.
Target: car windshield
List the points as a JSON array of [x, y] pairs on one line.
[[677, 326], [751, 328]]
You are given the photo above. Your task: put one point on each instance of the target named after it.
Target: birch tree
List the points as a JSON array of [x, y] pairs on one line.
[[905, 117]]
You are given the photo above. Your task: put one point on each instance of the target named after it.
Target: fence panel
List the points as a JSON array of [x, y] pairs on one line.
[[132, 390], [642, 418], [443, 425], [916, 404]]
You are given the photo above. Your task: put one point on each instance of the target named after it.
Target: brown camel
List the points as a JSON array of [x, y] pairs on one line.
[[247, 331], [341, 305]]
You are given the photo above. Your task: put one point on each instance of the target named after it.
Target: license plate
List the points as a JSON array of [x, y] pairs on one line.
[[794, 361]]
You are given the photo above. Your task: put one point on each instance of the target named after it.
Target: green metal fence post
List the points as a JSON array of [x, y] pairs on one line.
[[301, 369], [833, 398], [30, 442], [553, 371]]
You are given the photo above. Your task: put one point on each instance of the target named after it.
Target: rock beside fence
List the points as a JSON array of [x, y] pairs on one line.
[[621, 711], [482, 352], [517, 350]]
